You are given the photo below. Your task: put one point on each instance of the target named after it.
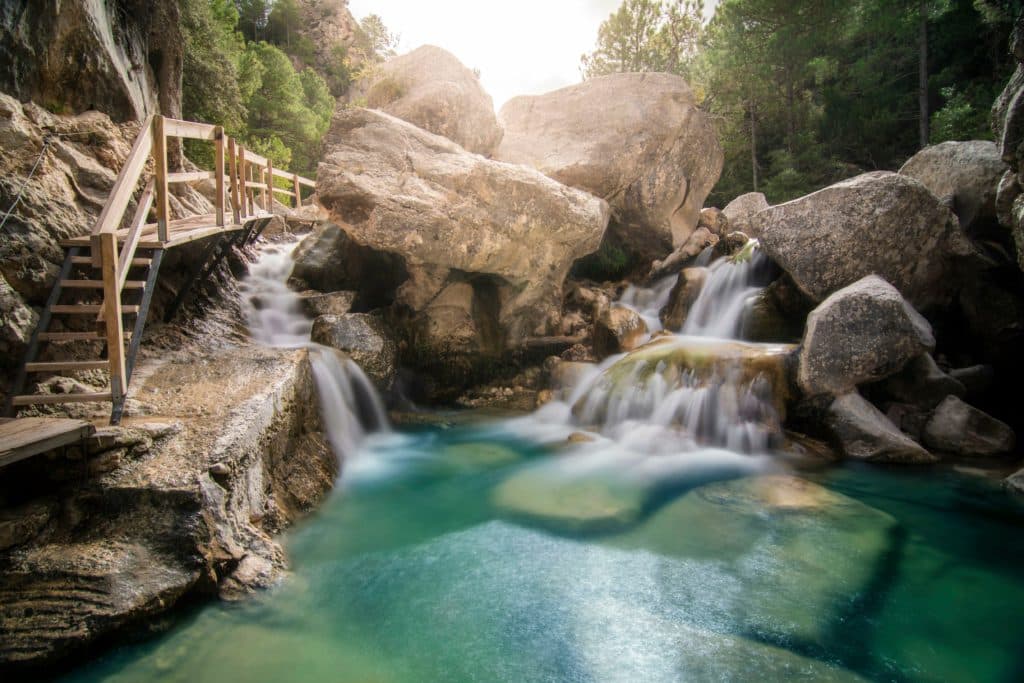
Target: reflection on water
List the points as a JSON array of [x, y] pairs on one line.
[[420, 571]]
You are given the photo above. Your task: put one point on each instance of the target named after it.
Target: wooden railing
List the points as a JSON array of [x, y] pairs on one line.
[[247, 174]]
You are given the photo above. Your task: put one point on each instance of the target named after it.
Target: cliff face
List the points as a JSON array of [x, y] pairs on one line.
[[121, 57], [329, 26]]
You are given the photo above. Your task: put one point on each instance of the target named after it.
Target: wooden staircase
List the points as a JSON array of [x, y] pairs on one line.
[[108, 278]]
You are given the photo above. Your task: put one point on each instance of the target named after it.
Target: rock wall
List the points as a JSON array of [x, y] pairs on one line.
[[179, 502], [120, 57]]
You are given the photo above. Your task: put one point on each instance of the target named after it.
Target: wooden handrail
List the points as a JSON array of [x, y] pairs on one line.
[[113, 211], [190, 176], [131, 241], [176, 128]]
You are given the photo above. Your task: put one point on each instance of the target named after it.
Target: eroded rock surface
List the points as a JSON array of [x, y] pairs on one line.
[[363, 337], [181, 502], [862, 432], [958, 428], [740, 210], [405, 191], [636, 139]]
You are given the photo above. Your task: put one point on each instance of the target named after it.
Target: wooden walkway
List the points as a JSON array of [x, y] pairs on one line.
[[28, 436], [122, 256]]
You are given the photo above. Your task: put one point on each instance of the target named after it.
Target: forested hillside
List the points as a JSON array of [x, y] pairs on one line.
[[269, 71], [809, 92]]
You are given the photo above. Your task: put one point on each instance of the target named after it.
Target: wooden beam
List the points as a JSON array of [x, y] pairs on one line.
[[243, 180], [218, 169], [189, 129], [112, 313], [307, 182], [297, 192], [254, 158], [190, 176], [263, 193], [110, 217], [163, 205], [233, 173], [131, 242]]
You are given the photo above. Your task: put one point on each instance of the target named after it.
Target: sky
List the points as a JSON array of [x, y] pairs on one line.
[[522, 47]]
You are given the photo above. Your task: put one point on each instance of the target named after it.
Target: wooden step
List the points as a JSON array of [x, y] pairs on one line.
[[77, 336], [98, 284], [87, 261], [39, 399], [58, 366], [89, 308]]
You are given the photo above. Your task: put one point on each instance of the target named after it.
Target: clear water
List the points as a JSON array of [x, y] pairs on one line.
[[413, 572]]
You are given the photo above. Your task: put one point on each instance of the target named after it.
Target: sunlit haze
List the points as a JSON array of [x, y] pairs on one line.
[[523, 47]]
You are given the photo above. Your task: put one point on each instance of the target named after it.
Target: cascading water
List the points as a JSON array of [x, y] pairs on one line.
[[349, 403], [698, 387]]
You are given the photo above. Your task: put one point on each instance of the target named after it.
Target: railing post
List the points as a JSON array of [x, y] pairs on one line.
[[270, 186], [112, 316], [263, 190], [243, 175], [162, 203], [298, 190], [218, 169], [233, 175]]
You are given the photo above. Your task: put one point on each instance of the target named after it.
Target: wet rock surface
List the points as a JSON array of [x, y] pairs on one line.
[[363, 337], [862, 432], [958, 428], [181, 502]]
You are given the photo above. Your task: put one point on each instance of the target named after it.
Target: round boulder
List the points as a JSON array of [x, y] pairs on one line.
[[740, 210], [862, 333], [638, 140], [430, 88], [364, 338]]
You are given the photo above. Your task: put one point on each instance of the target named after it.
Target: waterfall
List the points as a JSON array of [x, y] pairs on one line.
[[349, 404], [698, 387]]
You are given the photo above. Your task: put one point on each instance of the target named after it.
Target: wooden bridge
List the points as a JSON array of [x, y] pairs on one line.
[[103, 262]]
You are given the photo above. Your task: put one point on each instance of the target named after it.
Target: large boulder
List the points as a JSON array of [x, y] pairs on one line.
[[430, 88], [123, 59], [683, 295], [877, 223], [862, 333], [402, 190], [1008, 126], [618, 329], [963, 175], [958, 428], [862, 432], [740, 210], [636, 139], [364, 338]]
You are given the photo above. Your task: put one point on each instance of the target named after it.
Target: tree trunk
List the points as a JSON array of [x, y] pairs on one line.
[[753, 143], [922, 75]]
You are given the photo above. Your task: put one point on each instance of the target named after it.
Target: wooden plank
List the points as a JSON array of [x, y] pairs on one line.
[[297, 193], [87, 260], [189, 129], [112, 314], [110, 217], [307, 182], [279, 190], [254, 158], [70, 336], [72, 309], [202, 233], [218, 170], [58, 366], [39, 399], [163, 205], [98, 284], [233, 173], [27, 436], [256, 186], [190, 176]]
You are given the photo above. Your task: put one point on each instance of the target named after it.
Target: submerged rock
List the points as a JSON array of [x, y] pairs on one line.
[[430, 88], [960, 429], [638, 140], [880, 223], [861, 333], [404, 191], [862, 432], [740, 211], [365, 338]]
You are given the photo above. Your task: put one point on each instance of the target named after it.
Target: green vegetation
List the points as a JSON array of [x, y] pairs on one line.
[[249, 67], [807, 92]]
